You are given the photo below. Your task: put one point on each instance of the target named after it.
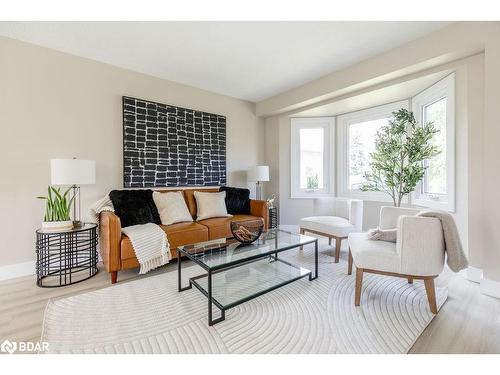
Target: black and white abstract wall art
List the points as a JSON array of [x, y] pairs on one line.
[[166, 146]]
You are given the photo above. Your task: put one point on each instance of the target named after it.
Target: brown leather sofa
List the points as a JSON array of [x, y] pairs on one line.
[[117, 252]]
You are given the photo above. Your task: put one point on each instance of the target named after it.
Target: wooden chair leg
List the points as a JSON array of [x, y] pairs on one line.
[[114, 277], [302, 231], [338, 242], [359, 283], [330, 241], [410, 280], [349, 263], [431, 294]]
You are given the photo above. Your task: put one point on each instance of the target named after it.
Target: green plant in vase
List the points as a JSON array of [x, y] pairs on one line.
[[57, 209], [397, 164]]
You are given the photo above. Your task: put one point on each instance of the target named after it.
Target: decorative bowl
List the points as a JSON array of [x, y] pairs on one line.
[[247, 232]]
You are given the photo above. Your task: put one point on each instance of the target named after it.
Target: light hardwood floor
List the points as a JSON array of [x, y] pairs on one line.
[[469, 322]]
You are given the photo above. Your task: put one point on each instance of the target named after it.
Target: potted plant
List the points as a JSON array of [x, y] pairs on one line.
[[400, 150], [57, 209]]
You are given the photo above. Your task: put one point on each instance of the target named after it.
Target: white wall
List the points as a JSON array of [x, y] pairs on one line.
[[58, 105]]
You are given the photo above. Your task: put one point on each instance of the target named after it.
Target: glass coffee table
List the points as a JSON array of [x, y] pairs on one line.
[[237, 273]]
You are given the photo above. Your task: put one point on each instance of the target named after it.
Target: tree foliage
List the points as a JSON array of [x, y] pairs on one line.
[[397, 165]]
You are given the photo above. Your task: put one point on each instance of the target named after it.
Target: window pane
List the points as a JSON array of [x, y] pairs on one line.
[[361, 144], [435, 175], [311, 158]]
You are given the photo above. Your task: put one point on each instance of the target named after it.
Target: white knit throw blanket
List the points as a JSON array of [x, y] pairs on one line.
[[150, 245], [103, 204], [149, 241]]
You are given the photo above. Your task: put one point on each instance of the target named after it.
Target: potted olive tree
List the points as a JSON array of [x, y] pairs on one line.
[[397, 164], [57, 209]]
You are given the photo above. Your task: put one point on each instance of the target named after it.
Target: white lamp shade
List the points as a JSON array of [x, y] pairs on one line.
[[72, 172], [258, 173]]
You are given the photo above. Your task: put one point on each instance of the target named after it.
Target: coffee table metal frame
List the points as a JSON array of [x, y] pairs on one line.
[[271, 255]]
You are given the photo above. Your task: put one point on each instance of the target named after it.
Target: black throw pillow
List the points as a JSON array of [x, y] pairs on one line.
[[135, 207], [237, 200]]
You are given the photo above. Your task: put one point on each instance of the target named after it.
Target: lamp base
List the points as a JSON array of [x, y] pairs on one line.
[[258, 190]]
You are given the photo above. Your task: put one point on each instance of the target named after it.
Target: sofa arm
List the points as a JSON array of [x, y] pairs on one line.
[[259, 208], [110, 234], [420, 244]]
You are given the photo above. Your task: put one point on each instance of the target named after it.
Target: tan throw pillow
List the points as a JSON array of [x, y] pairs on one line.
[[210, 205], [171, 207]]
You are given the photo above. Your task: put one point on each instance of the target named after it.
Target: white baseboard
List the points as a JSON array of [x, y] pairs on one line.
[[17, 270], [474, 274], [490, 287]]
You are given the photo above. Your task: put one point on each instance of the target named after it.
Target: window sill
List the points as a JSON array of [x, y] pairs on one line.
[[366, 196], [310, 195]]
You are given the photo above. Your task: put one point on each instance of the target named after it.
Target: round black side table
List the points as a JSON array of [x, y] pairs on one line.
[[66, 257]]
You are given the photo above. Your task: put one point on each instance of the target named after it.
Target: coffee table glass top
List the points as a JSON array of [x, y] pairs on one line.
[[216, 254], [231, 287]]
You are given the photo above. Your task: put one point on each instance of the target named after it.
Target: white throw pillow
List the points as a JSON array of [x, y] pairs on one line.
[[171, 207], [211, 205]]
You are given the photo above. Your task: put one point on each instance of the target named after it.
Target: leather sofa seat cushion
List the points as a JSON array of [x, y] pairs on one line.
[[220, 227], [178, 234]]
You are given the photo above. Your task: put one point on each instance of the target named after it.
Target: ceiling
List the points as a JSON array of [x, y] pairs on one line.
[[402, 90], [246, 60]]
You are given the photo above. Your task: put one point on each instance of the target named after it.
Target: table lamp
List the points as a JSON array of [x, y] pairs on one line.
[[73, 172], [258, 174]]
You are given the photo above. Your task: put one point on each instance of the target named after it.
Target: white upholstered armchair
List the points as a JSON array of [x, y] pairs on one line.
[[418, 253], [344, 217]]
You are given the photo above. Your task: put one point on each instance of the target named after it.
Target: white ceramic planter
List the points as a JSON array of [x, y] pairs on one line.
[[57, 225]]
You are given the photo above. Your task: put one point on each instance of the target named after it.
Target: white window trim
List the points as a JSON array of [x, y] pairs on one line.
[[328, 124], [443, 88], [343, 123]]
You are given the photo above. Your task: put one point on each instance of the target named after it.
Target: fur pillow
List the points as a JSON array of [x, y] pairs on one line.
[[377, 234], [172, 207], [134, 207], [210, 205], [237, 200]]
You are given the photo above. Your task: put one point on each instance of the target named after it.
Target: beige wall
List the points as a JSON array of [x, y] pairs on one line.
[[57, 105]]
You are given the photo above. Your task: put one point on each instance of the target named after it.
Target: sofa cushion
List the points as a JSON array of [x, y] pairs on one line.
[[191, 201], [210, 205], [177, 234], [220, 227], [172, 207], [134, 207], [237, 200]]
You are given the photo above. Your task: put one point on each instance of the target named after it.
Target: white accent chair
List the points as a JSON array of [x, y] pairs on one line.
[[417, 254], [348, 218]]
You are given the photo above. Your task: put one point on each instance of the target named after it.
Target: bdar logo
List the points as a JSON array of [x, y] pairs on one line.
[[8, 347]]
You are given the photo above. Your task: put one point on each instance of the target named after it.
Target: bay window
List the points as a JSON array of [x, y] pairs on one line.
[[313, 153]]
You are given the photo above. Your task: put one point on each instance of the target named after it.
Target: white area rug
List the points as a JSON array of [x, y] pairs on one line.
[[150, 316]]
